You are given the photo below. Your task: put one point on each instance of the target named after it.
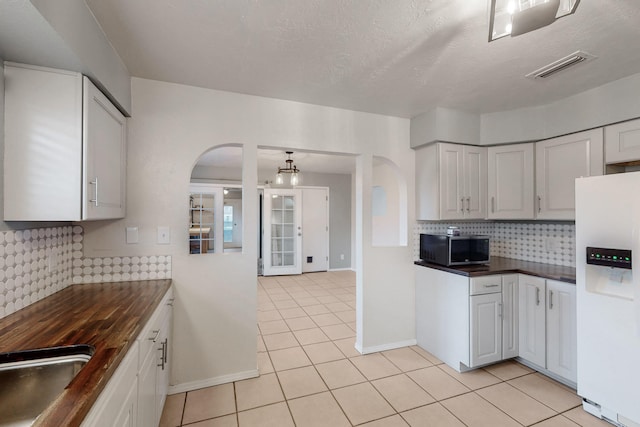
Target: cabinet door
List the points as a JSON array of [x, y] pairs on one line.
[[117, 404], [510, 190], [622, 142], [42, 144], [485, 329], [509, 316], [147, 389], [104, 151], [162, 370], [531, 311], [559, 161], [127, 415], [451, 177], [561, 329], [475, 182]]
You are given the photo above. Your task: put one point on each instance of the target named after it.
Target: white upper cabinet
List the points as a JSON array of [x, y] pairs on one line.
[[451, 182], [622, 142], [65, 148], [559, 161], [510, 189]]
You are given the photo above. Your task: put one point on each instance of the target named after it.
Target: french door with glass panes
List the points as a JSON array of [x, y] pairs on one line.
[[282, 240]]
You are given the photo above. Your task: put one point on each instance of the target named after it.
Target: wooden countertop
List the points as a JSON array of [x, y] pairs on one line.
[[107, 316], [500, 265]]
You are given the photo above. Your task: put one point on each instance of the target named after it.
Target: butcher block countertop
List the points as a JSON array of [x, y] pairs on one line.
[[106, 316], [500, 265]]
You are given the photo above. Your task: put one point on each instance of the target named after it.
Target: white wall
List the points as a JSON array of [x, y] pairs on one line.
[[610, 103], [215, 316]]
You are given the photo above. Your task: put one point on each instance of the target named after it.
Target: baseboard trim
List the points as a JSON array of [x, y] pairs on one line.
[[385, 347], [210, 382], [341, 269]]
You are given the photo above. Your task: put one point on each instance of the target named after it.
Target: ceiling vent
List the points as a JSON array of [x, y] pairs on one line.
[[562, 64]]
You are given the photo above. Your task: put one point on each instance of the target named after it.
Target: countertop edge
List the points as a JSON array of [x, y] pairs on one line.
[[525, 268]]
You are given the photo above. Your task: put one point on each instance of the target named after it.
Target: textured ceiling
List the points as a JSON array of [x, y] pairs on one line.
[[398, 58]]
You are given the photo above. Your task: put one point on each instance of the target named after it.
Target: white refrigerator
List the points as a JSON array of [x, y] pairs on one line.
[[608, 296]]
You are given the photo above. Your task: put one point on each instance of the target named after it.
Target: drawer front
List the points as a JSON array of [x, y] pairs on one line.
[[485, 285]]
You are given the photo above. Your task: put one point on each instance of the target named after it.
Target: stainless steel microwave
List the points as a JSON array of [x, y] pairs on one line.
[[454, 250]]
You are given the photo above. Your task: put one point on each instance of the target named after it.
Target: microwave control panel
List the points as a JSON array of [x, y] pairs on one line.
[[620, 258]]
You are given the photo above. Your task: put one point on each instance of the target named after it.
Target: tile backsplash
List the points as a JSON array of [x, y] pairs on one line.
[[548, 242], [38, 262]]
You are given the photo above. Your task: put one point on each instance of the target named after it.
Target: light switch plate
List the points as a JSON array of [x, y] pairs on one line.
[[132, 235], [164, 235]]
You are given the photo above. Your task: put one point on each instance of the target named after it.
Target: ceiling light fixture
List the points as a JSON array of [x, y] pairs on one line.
[[515, 17], [289, 168]]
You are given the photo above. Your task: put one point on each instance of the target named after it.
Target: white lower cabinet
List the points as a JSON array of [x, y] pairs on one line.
[[466, 322], [561, 329], [135, 394], [153, 376], [493, 319], [532, 319], [510, 317], [485, 328], [548, 325], [117, 404]]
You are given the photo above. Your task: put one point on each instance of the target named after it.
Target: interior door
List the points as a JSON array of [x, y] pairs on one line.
[[282, 232], [315, 223]]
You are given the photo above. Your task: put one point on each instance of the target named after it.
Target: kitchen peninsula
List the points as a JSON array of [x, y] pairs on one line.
[[475, 315]]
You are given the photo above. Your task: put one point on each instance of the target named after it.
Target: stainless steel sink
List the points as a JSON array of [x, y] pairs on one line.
[[31, 380]]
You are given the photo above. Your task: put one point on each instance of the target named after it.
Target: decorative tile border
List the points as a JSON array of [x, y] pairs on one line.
[[36, 263], [118, 269], [551, 243]]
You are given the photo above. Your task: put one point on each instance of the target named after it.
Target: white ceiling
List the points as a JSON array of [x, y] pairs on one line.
[[398, 58]]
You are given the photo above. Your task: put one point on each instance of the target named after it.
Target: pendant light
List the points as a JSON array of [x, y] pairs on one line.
[[289, 169]]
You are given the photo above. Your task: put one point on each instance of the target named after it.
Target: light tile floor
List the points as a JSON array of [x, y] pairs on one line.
[[311, 375]]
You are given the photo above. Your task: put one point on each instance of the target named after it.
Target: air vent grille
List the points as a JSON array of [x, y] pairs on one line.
[[562, 64]]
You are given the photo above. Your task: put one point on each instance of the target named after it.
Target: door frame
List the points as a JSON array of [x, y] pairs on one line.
[[268, 269]]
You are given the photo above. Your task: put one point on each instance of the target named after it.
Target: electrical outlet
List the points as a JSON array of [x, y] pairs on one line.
[[164, 235], [341, 257]]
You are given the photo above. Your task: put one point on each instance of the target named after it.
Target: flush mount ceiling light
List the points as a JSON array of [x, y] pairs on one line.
[[515, 17], [290, 169]]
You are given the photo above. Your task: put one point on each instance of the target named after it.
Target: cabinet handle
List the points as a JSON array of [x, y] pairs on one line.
[[493, 204], [166, 349], [468, 205], [550, 300], [500, 309], [539, 204], [161, 364], [462, 204], [537, 296], [95, 183], [490, 286]]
